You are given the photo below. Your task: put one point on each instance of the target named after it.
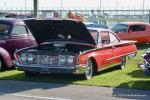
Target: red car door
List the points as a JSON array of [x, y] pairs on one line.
[[117, 49], [105, 50]]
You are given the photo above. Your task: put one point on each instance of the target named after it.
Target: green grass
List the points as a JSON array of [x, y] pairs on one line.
[[131, 77]]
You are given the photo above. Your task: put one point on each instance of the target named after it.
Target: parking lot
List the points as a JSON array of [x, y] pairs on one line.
[[19, 90]]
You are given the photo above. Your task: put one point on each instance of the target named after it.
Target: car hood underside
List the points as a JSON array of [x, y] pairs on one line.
[[45, 30]]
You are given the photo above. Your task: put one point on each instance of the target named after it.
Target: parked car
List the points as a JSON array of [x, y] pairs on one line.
[[137, 31], [14, 34], [67, 46]]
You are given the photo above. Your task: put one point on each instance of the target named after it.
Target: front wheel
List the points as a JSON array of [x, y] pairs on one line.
[[89, 70]]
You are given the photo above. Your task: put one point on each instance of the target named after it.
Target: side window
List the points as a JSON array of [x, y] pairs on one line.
[[105, 37], [4, 28], [113, 38], [136, 28], [20, 30]]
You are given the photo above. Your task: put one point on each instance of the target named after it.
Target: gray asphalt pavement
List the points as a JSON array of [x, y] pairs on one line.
[[19, 90]]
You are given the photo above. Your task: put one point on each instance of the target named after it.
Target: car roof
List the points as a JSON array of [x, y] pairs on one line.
[[52, 19], [96, 25], [12, 20], [99, 29], [133, 23]]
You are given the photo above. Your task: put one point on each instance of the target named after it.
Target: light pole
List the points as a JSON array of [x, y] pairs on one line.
[[143, 5], [61, 7], [100, 8], [36, 7], [143, 8], [25, 4], [5, 4], [100, 4]]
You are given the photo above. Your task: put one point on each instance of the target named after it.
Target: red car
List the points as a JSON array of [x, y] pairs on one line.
[[67, 46], [136, 31], [14, 34]]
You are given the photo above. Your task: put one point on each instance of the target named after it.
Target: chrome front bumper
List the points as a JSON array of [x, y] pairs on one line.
[[47, 69]]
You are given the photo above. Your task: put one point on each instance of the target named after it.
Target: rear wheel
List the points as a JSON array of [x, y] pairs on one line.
[[123, 62]]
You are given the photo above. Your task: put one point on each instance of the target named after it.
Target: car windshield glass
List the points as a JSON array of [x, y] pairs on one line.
[[97, 25], [120, 28], [4, 29], [94, 35]]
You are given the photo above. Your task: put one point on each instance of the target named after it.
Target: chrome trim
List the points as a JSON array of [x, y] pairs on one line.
[[120, 56], [78, 69], [107, 67]]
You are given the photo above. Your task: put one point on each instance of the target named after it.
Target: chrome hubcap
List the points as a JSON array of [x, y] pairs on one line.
[[123, 63], [89, 70]]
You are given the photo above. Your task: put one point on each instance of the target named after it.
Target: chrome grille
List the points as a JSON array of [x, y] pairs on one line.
[[48, 60]]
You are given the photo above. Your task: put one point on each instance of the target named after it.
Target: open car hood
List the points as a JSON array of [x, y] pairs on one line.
[[48, 30]]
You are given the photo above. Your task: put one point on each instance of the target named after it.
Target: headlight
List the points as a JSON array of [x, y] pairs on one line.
[[23, 58], [30, 58], [62, 59], [70, 59]]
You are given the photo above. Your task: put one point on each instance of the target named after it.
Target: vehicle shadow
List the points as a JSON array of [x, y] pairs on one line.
[[129, 93], [138, 74], [107, 70], [143, 46], [53, 81], [55, 78]]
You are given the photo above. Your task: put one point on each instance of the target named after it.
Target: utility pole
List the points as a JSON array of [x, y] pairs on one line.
[[143, 8], [100, 8], [100, 4], [25, 5], [36, 7], [143, 5], [61, 7]]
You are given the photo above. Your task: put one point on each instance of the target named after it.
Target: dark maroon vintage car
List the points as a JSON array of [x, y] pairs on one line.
[[14, 34]]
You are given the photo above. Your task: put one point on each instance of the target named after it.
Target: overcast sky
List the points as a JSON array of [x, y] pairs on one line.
[[107, 4]]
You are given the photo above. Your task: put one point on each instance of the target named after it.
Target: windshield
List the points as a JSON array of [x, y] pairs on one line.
[[94, 35], [119, 28], [4, 29], [97, 25]]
